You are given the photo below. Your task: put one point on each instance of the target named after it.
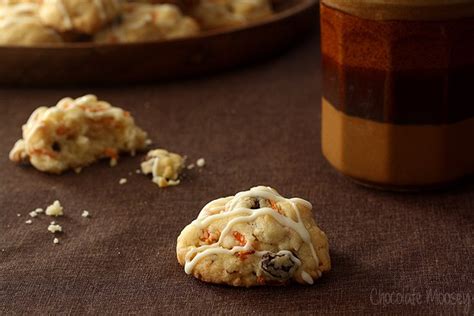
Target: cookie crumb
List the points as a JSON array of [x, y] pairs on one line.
[[39, 210], [55, 209], [54, 228], [28, 222], [138, 171], [201, 162], [33, 214], [78, 170], [85, 213], [18, 214], [165, 167], [53, 223], [113, 162], [55, 241], [190, 166], [122, 181], [148, 142]]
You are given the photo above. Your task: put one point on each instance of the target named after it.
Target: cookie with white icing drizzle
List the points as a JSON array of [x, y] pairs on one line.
[[75, 133], [79, 16], [256, 237]]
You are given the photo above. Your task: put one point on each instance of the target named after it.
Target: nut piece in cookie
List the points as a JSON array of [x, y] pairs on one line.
[[256, 237], [145, 22], [76, 133], [164, 166], [79, 16], [20, 25], [212, 14]]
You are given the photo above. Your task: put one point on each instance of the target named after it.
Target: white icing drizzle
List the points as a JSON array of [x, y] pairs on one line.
[[227, 207], [306, 277]]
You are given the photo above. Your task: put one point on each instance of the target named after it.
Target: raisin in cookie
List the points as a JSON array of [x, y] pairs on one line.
[[164, 166], [213, 14], [20, 25], [256, 237], [79, 16], [146, 22], [75, 133]]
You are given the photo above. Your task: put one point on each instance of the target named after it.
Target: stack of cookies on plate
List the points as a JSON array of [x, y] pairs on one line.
[[37, 22]]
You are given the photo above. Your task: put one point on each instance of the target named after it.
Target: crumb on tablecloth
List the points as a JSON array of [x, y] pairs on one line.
[[54, 228], [55, 209]]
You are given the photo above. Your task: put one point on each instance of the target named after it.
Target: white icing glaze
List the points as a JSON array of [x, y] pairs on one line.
[[227, 207], [306, 277]]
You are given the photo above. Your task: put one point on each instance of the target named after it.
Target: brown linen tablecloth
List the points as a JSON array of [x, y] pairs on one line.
[[259, 125]]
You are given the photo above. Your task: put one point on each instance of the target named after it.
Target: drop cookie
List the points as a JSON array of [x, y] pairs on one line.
[[21, 25], [79, 16], [147, 22], [256, 237], [212, 14], [75, 133]]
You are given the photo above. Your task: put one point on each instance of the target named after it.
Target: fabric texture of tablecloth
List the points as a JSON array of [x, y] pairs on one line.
[[391, 252]]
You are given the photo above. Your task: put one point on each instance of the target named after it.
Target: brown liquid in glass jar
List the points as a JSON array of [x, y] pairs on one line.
[[398, 110]]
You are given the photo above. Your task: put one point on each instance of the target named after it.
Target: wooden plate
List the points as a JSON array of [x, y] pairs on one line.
[[84, 63]]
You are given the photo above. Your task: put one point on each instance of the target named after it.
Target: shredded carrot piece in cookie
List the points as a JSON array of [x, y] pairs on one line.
[[274, 205], [106, 121], [89, 108], [210, 238], [111, 152], [45, 152], [244, 254], [205, 236], [62, 130], [240, 238]]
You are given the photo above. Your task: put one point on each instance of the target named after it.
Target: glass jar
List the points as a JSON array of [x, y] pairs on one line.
[[397, 106]]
